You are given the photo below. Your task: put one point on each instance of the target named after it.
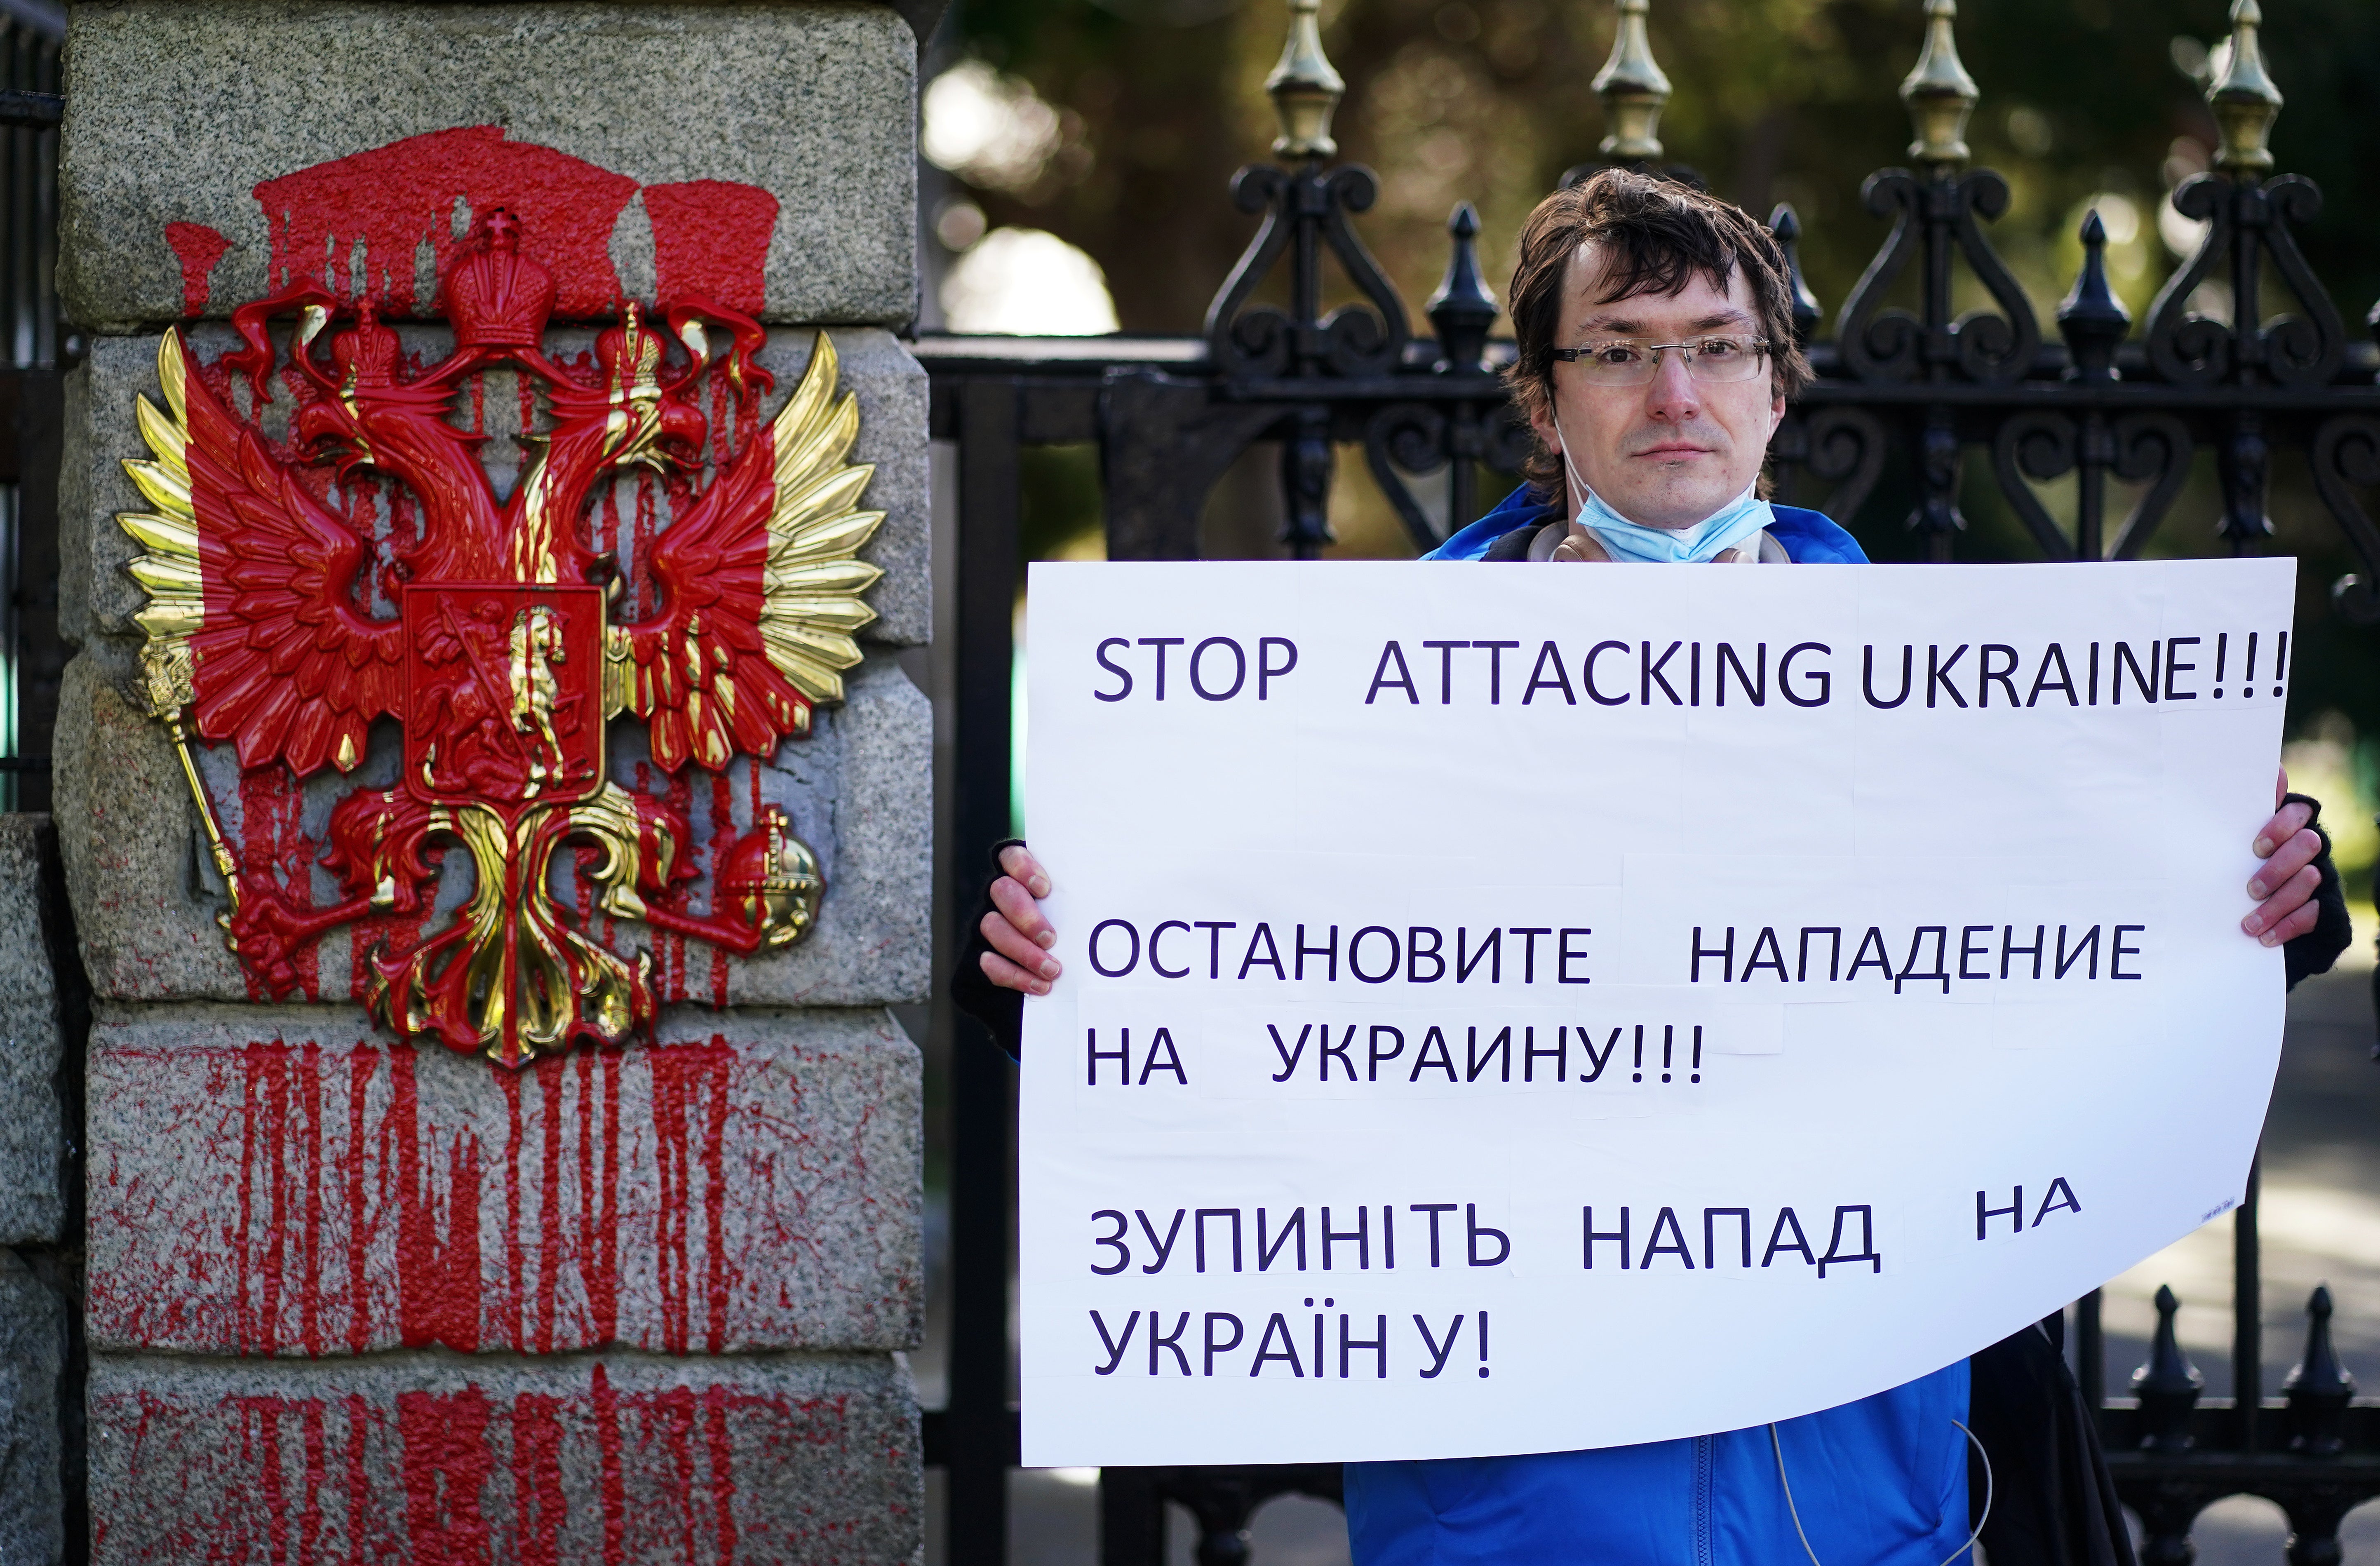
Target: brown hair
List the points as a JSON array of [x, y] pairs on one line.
[[1656, 236]]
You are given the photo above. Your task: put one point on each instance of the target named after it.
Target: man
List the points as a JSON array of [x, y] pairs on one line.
[[1655, 356]]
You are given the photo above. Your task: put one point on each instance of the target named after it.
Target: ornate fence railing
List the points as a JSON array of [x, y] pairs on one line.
[[1170, 416]]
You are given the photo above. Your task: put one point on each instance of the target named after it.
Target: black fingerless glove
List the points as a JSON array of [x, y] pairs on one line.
[[1002, 1011], [2318, 948]]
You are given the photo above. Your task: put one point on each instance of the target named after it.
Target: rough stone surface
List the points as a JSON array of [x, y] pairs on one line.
[[32, 1335], [32, 1132], [147, 897], [188, 114], [285, 1181], [618, 1457], [98, 598]]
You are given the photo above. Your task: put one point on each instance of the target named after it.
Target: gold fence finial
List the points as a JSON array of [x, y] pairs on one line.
[[1304, 87], [1940, 93], [1632, 89], [2244, 99]]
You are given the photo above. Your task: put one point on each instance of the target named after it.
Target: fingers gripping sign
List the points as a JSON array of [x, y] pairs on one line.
[[2286, 882], [1020, 937]]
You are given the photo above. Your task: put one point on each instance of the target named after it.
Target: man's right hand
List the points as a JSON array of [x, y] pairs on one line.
[[1020, 937]]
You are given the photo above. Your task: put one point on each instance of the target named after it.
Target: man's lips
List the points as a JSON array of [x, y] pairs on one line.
[[1675, 448]]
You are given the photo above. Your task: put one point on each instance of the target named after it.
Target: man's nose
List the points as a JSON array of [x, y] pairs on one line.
[[1672, 395]]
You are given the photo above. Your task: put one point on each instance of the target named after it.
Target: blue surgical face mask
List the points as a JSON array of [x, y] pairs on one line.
[[1634, 544]]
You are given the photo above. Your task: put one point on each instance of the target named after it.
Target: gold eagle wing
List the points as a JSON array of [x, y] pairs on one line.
[[760, 589]]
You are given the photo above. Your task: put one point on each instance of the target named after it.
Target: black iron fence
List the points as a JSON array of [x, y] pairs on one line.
[[1919, 394], [31, 34]]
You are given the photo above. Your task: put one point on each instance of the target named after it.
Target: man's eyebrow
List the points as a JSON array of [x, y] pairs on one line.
[[1630, 326]]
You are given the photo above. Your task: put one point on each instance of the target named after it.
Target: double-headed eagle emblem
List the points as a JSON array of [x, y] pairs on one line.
[[508, 651]]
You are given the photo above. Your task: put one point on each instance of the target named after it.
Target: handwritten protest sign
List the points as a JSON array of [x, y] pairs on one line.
[[1524, 1009]]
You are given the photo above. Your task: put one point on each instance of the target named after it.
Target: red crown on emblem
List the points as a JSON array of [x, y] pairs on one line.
[[496, 297]]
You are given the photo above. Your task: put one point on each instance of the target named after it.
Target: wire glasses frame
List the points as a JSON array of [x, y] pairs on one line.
[[1622, 361]]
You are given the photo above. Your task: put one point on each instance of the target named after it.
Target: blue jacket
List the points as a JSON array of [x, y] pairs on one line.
[[1879, 1482]]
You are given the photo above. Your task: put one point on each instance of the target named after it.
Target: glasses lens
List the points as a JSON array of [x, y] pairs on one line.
[[1616, 364], [1721, 359]]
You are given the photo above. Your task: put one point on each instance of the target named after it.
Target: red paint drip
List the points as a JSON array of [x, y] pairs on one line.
[[265, 1415], [361, 1065], [723, 1470], [672, 1411], [309, 1259], [446, 1465], [438, 1280], [722, 842], [310, 1517], [242, 1262], [359, 1480], [613, 1490], [549, 1198], [198, 247], [681, 1075], [273, 844], [710, 236], [391, 201], [285, 1182], [514, 1302], [643, 529], [599, 1226], [539, 1507]]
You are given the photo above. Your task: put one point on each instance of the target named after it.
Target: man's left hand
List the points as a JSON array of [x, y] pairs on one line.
[[2286, 880]]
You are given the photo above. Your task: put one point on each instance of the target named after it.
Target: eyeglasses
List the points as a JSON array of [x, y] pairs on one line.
[[1711, 360]]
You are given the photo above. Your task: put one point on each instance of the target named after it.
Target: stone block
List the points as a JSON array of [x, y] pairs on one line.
[[147, 896], [32, 1344], [763, 155], [285, 1181], [618, 1457], [32, 1129], [98, 598]]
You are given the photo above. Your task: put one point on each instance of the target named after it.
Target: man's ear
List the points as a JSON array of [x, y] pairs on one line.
[[1541, 423], [1776, 416]]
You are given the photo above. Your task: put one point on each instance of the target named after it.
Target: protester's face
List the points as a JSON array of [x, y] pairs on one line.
[[1670, 453]]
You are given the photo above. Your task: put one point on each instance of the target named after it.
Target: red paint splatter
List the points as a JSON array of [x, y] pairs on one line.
[[681, 1074], [710, 237], [513, 1303], [224, 1473], [308, 1087], [198, 247], [446, 1465], [549, 1199], [265, 1412], [598, 1228], [274, 845], [672, 1411], [358, 1481], [722, 842], [392, 200], [438, 1281], [614, 1498], [539, 1507], [723, 1471], [643, 531], [361, 1065], [310, 1517]]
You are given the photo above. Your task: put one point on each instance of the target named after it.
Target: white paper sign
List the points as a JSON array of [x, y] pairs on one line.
[[1515, 1010]]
